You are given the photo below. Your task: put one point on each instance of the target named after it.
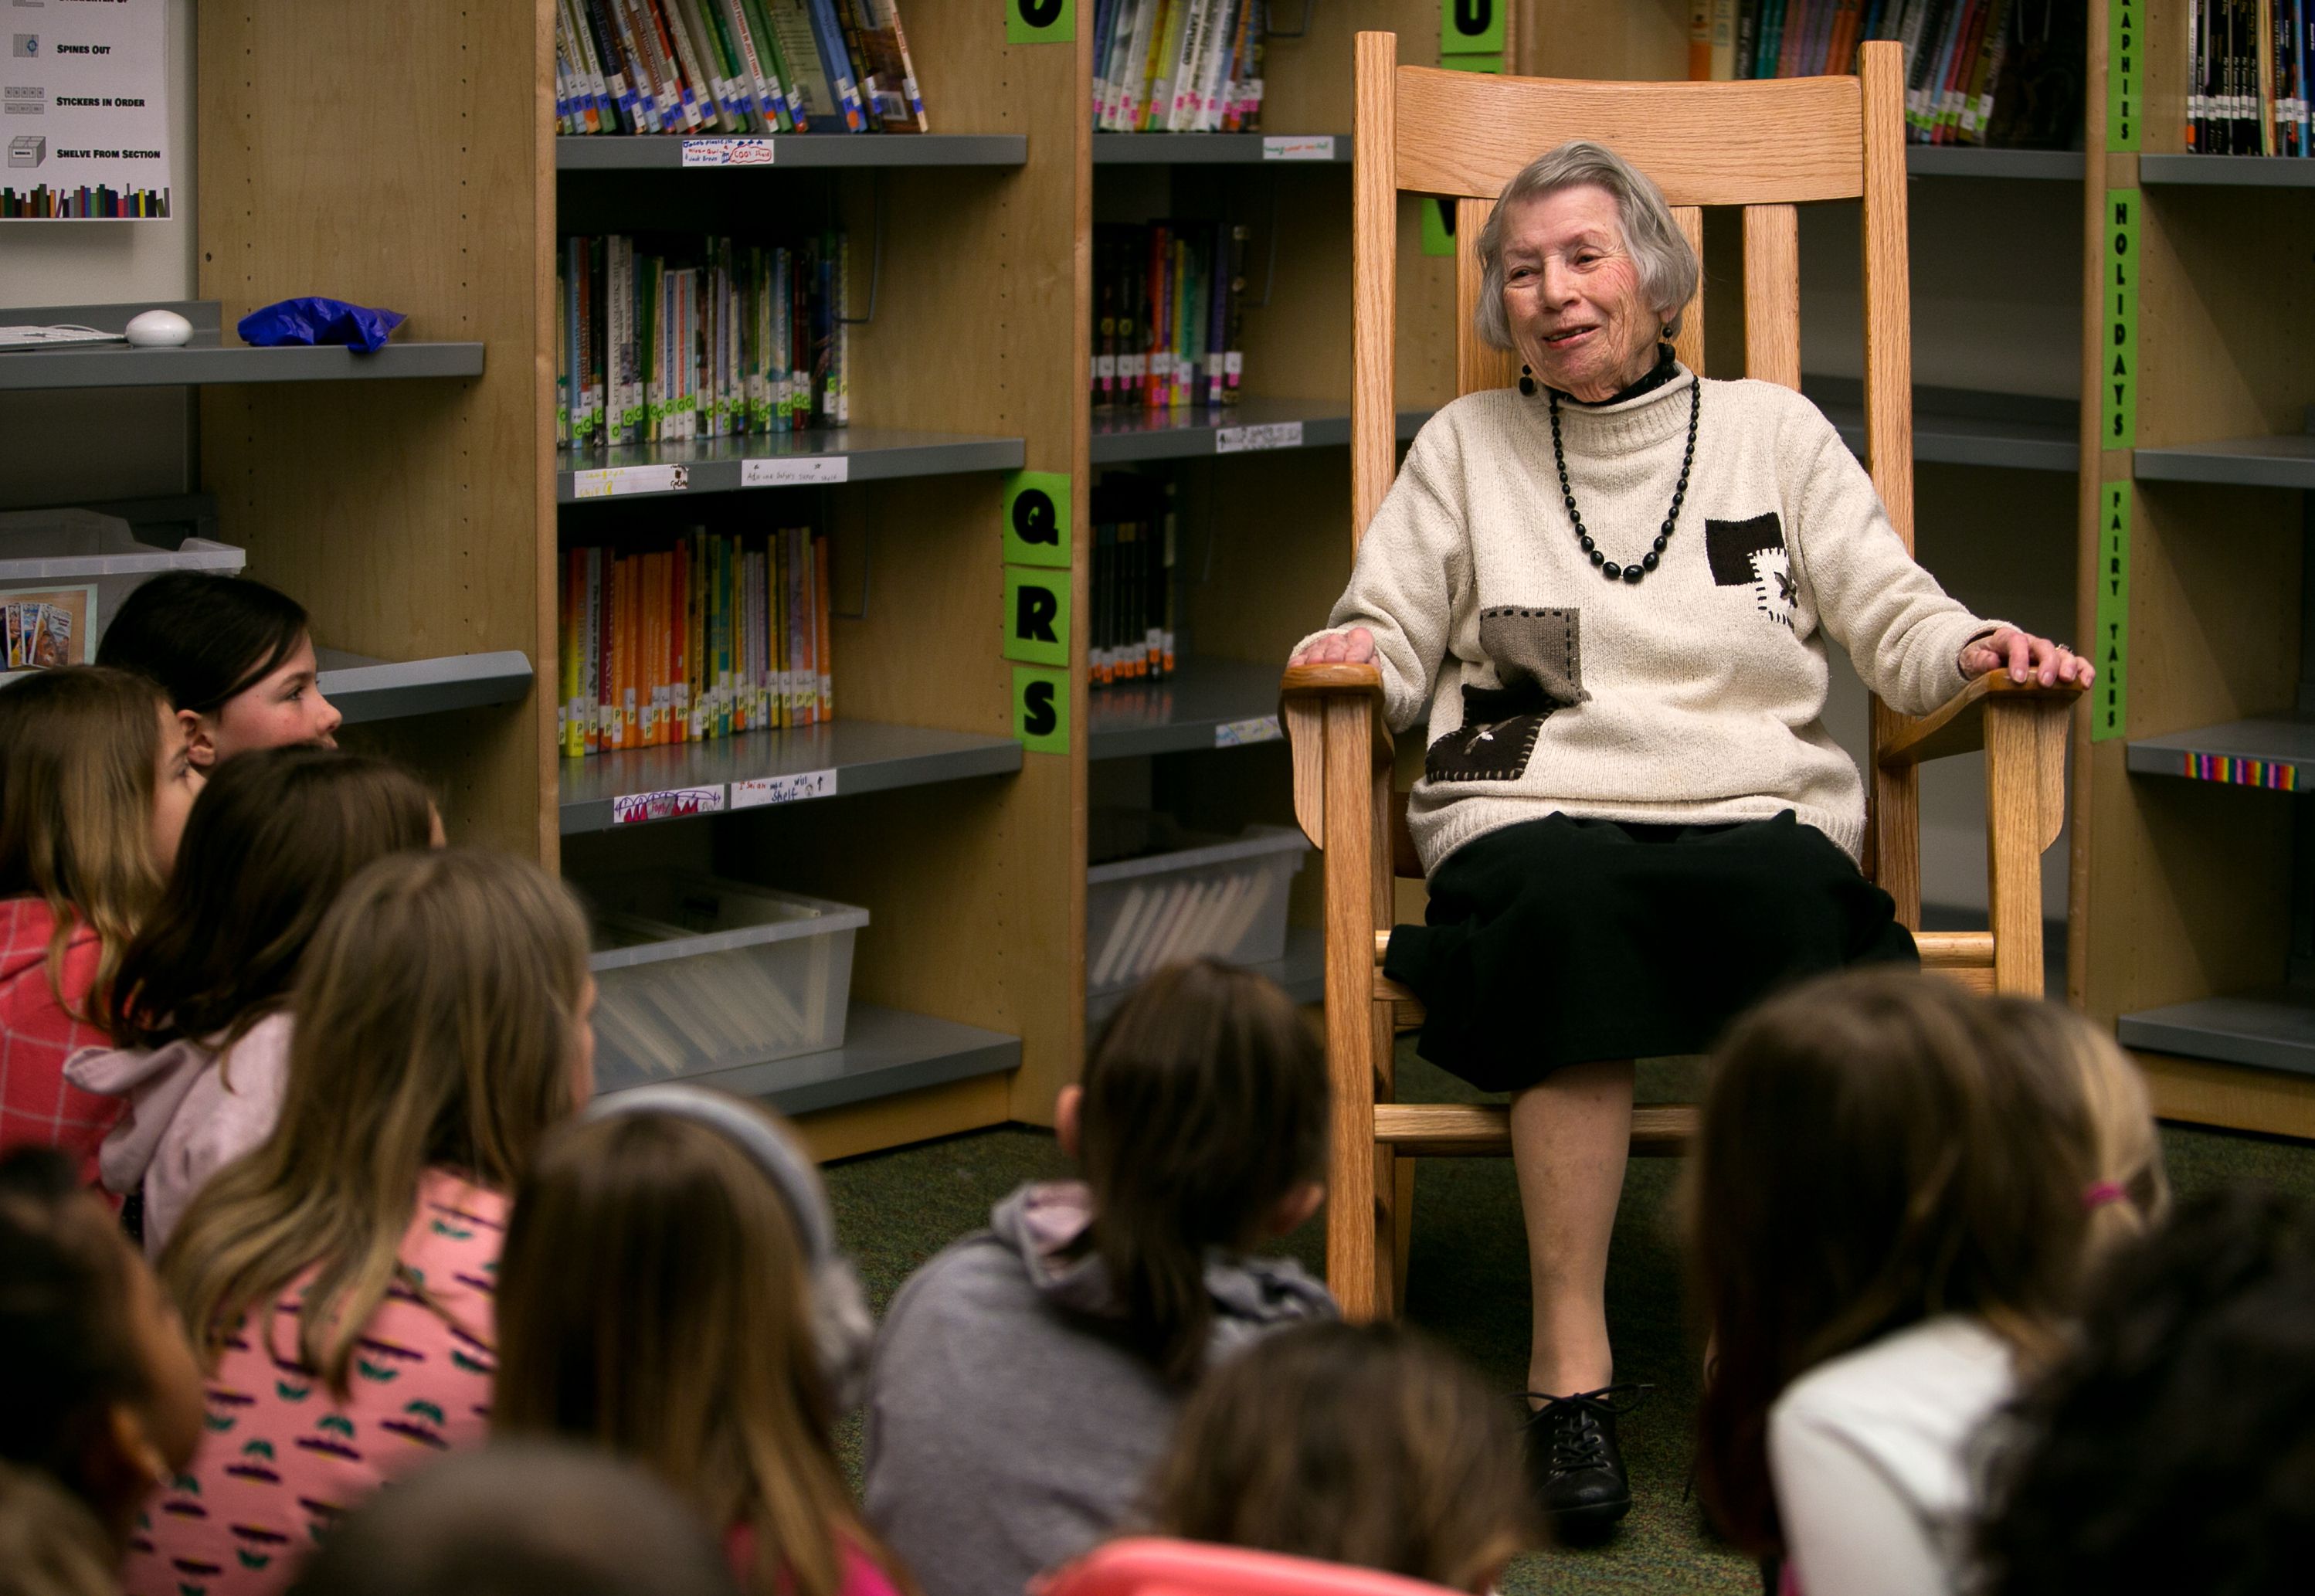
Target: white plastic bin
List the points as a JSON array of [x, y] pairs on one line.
[[1218, 898], [695, 974], [62, 551]]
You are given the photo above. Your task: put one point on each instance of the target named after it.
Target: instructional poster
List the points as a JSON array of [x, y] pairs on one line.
[[84, 112]]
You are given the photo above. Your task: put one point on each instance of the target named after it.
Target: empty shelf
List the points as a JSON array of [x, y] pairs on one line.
[[2276, 753], [666, 152], [1206, 704], [2286, 460], [213, 356], [1964, 427], [1129, 433], [2269, 1030], [1938, 160], [1207, 149], [2261, 171], [777, 459], [365, 689], [885, 1051], [843, 757]]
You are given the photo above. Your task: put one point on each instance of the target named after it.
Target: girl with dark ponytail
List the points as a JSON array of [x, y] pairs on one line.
[[1027, 1380]]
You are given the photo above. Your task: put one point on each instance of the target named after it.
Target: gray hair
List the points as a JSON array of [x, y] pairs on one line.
[[1668, 267]]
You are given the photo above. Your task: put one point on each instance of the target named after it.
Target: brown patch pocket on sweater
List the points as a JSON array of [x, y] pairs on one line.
[[1538, 656]]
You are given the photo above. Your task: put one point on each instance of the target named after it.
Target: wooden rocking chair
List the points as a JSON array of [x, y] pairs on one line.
[[1766, 147]]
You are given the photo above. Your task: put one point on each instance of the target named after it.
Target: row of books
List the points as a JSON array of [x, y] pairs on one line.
[[719, 635], [705, 339], [733, 67], [1976, 71], [2247, 78], [1178, 66], [1130, 588], [1169, 309]]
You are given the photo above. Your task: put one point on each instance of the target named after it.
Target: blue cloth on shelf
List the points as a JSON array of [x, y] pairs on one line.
[[315, 320]]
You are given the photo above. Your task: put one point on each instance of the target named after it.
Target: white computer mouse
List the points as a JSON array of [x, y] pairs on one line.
[[158, 327]]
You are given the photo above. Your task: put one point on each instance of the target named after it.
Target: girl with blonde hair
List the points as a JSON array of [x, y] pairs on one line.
[[338, 1278]]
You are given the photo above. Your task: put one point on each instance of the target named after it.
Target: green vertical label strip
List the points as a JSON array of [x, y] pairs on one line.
[[1041, 21], [1467, 26], [2125, 72], [2119, 391], [2110, 695]]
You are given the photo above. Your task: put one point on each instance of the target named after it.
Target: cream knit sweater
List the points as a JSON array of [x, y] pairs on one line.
[[1695, 696]]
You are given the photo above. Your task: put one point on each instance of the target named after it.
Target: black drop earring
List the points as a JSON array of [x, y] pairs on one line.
[[1526, 382]]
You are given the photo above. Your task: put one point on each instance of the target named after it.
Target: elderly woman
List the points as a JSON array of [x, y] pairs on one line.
[[1633, 819]]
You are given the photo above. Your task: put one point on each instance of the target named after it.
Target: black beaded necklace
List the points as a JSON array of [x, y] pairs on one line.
[[1649, 560]]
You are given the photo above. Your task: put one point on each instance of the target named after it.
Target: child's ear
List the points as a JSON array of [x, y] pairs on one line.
[[200, 748], [136, 1464], [1066, 1110], [1297, 1207]]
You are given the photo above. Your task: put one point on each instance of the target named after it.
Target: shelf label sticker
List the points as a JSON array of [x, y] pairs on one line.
[[1242, 733], [2125, 72], [757, 791], [1471, 27], [673, 803], [2119, 390], [1041, 21], [785, 470], [727, 152], [1246, 440], [1041, 709], [2110, 694], [610, 482], [1298, 147], [1036, 614], [1037, 518]]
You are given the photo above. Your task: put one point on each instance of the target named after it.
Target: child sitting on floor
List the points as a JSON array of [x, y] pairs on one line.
[[1027, 1379]]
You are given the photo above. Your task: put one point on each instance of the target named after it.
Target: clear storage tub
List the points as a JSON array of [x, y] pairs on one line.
[[65, 552], [1202, 898], [695, 974]]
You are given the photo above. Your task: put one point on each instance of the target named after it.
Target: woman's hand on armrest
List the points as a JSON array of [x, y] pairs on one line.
[[1354, 647], [2026, 658]]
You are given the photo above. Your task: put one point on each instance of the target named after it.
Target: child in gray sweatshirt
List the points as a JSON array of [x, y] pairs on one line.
[[1026, 1379]]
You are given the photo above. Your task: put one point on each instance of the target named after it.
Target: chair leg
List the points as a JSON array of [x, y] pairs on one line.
[[1401, 1187]]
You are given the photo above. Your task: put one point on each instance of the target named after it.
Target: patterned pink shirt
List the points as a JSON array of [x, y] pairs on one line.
[[38, 1034], [281, 1459]]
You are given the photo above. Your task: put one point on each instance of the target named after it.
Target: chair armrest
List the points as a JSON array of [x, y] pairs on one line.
[[1957, 726], [1306, 694]]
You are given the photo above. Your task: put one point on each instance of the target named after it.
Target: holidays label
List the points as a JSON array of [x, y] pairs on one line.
[[757, 791], [1240, 733], [673, 803], [2119, 354], [2110, 701], [611, 482], [727, 152], [796, 468], [1303, 147], [1246, 441]]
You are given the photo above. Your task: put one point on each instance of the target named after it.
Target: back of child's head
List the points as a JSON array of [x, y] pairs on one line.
[[520, 1519], [1871, 1155], [203, 637], [2173, 1449], [669, 1289], [96, 1397], [80, 748], [273, 839], [1364, 1444], [440, 1024], [50, 1543], [1204, 1112]]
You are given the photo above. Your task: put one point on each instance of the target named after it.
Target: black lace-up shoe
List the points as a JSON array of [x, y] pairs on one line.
[[1573, 1464]]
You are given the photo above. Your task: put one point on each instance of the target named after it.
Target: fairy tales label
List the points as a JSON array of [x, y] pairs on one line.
[[2119, 428], [2110, 700], [2125, 72]]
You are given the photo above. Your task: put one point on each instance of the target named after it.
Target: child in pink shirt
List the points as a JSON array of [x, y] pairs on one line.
[[340, 1277]]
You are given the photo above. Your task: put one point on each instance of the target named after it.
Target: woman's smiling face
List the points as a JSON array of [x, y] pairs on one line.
[[1572, 294]]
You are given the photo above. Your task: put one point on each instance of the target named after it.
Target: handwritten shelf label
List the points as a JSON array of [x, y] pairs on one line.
[[759, 791], [610, 482], [674, 804], [1246, 441], [1241, 733], [1298, 146], [790, 469], [727, 152]]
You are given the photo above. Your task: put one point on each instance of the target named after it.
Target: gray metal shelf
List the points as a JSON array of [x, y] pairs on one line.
[[2249, 172], [1220, 149], [2275, 752], [1206, 704], [662, 152], [863, 756], [885, 1051], [1965, 427], [1939, 160], [208, 359], [721, 464], [2270, 1030], [361, 689], [1131, 433], [2286, 460]]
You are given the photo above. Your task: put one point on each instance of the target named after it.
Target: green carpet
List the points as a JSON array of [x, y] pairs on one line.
[[1467, 1285]]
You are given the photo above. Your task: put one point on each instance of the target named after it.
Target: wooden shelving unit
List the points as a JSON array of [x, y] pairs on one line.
[[2192, 904], [211, 356]]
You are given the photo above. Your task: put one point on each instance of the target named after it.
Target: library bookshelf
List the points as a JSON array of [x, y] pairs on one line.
[[2192, 896]]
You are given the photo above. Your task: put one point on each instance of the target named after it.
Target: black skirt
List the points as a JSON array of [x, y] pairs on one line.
[[1562, 941]]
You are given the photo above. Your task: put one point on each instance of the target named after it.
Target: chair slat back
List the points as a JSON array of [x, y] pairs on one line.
[[1766, 145]]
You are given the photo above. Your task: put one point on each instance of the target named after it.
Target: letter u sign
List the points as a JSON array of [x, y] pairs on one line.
[[1470, 27]]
